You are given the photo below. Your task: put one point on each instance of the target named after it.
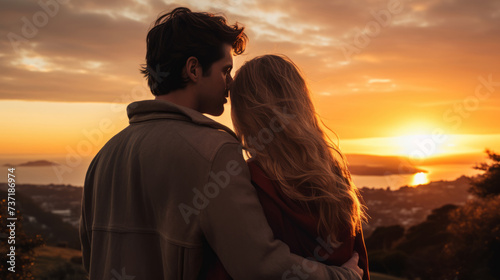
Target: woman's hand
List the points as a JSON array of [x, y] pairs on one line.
[[352, 263]]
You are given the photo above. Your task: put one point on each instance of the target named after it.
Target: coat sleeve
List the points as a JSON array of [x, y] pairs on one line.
[[236, 228]]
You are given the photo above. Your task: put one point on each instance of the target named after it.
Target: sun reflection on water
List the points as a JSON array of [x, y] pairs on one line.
[[420, 178]]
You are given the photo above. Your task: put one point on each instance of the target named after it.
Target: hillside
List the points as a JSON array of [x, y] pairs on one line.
[[53, 228], [408, 206]]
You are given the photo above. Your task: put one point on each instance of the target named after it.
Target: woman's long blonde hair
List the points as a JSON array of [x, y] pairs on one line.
[[274, 117]]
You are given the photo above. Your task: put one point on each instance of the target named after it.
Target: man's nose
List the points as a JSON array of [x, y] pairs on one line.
[[229, 79]]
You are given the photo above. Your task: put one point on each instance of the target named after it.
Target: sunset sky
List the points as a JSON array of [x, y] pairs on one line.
[[385, 75]]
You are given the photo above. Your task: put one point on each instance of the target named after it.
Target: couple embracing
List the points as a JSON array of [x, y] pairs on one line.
[[172, 197]]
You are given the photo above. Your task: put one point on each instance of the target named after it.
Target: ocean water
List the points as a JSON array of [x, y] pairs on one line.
[[448, 172], [71, 171]]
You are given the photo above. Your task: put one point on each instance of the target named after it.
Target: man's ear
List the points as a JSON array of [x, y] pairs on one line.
[[193, 69]]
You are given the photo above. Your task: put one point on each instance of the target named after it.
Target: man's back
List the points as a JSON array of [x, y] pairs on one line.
[[139, 212]]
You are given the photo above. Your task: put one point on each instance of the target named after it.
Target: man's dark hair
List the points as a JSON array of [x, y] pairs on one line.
[[180, 34]]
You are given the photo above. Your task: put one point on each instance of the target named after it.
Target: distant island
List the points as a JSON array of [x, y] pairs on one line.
[[375, 165], [365, 170], [35, 163]]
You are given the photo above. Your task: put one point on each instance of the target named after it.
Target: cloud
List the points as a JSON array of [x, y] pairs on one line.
[[36, 163], [431, 51]]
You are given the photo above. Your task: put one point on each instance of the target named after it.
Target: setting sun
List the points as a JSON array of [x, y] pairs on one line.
[[420, 178], [421, 145]]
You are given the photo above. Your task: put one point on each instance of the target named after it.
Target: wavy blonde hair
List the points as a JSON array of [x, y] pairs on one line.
[[275, 120]]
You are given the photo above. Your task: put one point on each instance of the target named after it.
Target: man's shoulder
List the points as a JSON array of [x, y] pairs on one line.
[[206, 140]]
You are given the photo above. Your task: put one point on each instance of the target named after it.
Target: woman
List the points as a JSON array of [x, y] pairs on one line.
[[301, 177]]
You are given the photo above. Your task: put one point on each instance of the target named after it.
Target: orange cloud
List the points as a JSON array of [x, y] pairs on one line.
[[421, 64]]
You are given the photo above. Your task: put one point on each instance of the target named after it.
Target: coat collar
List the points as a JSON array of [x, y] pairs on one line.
[[146, 110]]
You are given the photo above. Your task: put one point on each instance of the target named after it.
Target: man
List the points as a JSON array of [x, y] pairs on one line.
[[171, 193]]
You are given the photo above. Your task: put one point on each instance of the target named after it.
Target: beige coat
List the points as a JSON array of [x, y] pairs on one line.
[[166, 191]]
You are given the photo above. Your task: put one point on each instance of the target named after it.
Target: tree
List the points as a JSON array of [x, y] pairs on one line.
[[425, 242], [488, 184], [473, 251], [382, 238]]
